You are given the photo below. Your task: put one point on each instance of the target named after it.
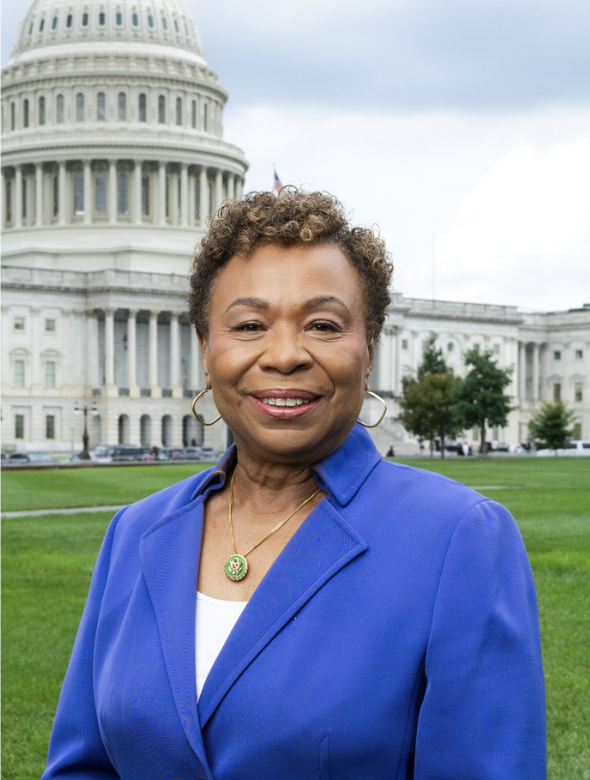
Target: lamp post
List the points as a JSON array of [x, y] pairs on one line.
[[85, 455]]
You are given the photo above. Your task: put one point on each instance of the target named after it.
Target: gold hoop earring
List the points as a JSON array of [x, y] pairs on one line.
[[197, 415], [378, 397]]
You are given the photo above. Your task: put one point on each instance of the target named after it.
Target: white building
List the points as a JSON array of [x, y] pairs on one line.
[[113, 158]]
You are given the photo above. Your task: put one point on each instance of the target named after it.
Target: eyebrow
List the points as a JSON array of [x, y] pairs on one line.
[[312, 303]]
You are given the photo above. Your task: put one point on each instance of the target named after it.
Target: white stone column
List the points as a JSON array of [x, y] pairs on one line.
[[203, 196], [162, 193], [522, 370], [184, 194], [92, 351], [398, 359], [132, 353], [17, 213], [36, 380], [136, 193], [87, 193], [39, 194], [112, 199], [62, 194], [535, 394], [153, 356], [239, 188], [175, 355], [218, 188], [109, 350], [231, 186], [195, 366]]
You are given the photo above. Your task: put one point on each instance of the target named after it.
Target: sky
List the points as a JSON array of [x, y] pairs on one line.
[[460, 129]]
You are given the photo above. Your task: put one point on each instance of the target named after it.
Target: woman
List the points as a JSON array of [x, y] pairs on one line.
[[304, 609]]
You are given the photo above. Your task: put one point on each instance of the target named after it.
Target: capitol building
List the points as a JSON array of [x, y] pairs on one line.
[[113, 160]]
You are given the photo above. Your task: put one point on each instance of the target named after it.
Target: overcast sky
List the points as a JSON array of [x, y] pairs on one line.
[[460, 128]]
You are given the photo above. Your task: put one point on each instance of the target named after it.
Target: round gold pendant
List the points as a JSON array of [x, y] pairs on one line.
[[236, 567]]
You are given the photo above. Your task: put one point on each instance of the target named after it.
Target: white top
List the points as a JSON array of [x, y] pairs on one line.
[[215, 620]]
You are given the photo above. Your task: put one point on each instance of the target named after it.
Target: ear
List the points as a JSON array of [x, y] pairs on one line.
[[371, 351], [205, 359]]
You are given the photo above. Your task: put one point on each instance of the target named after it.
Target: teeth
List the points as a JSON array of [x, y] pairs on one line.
[[285, 401]]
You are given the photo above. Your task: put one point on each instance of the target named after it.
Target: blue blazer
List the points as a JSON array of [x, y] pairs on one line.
[[396, 636]]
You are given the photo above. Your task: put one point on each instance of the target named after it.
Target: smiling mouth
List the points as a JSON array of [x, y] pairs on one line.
[[284, 401]]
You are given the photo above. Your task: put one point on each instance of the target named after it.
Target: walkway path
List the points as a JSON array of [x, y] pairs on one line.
[[70, 511]]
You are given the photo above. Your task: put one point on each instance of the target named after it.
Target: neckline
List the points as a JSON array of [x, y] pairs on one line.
[[220, 602]]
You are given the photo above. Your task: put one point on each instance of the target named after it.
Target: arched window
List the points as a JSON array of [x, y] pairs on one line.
[[41, 110], [145, 195], [150, 21], [205, 118], [176, 26], [118, 18], [31, 27], [26, 113], [178, 111], [102, 19], [69, 20], [185, 28], [122, 104], [85, 19], [24, 198], [78, 193], [142, 108], [100, 194], [55, 196], [122, 193], [162, 109], [79, 107], [59, 109], [12, 116], [135, 19], [194, 113], [101, 107], [54, 23], [164, 23], [41, 25]]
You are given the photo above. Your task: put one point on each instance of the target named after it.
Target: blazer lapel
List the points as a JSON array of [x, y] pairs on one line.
[[321, 546], [169, 554]]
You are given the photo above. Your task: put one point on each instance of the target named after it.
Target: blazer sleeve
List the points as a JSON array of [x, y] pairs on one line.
[[483, 711], [76, 749]]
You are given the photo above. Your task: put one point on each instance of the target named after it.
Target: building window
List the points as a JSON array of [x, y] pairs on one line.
[[101, 107], [19, 323], [450, 346], [557, 391], [12, 116], [101, 19], [205, 118], [78, 193], [579, 354], [50, 373], [19, 373], [161, 109], [79, 107], [577, 431], [404, 344], [194, 113], [135, 19], [59, 109], [556, 354], [496, 349], [55, 188], [150, 21], [197, 212], [19, 426], [50, 426], [122, 193], [50, 325], [41, 25], [578, 394], [24, 199], [164, 23], [145, 195], [118, 18], [178, 111], [100, 194], [9, 190], [41, 110], [167, 196], [54, 23], [26, 113], [84, 19], [122, 104], [176, 26], [142, 108], [69, 20], [31, 27]]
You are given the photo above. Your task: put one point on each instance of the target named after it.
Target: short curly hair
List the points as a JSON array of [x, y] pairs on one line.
[[292, 218]]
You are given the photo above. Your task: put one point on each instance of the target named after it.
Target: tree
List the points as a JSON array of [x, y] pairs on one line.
[[480, 399], [427, 402], [550, 426]]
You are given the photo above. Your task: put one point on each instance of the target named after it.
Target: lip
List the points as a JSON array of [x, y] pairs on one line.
[[285, 412]]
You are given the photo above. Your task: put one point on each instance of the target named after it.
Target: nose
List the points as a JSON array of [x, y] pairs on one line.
[[284, 351]]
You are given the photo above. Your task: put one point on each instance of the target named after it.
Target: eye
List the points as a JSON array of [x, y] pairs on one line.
[[324, 326], [248, 327]]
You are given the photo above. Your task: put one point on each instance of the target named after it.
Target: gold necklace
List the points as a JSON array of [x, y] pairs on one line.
[[236, 566]]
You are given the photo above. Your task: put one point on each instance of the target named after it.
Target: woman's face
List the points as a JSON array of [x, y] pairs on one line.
[[287, 355]]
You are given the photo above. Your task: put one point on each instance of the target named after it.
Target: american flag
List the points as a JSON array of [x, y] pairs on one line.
[[278, 184]]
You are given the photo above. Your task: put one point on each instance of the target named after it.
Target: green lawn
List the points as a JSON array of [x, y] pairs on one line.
[[48, 560]]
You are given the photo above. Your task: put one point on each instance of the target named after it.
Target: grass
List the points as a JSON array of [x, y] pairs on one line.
[[48, 560]]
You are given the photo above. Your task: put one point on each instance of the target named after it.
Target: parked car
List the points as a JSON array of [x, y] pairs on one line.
[[209, 454], [575, 448], [31, 457], [119, 453], [193, 453]]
